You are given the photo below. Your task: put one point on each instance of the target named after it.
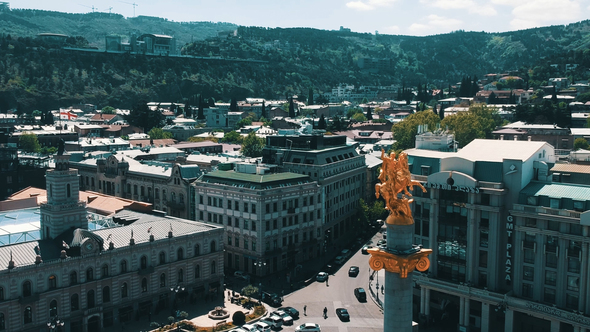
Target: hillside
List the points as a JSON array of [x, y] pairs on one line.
[[34, 75]]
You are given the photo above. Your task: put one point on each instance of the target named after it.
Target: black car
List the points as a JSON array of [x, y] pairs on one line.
[[353, 271], [291, 312], [272, 299], [343, 314], [360, 294]]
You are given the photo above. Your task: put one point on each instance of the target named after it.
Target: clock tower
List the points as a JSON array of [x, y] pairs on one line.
[[63, 209]]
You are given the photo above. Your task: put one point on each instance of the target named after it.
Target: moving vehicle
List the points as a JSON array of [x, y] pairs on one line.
[[365, 249], [353, 271], [342, 313], [272, 299], [322, 276], [360, 294], [291, 311], [308, 327], [287, 319]]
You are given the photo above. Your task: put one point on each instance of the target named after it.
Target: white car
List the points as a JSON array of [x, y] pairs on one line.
[[287, 319], [249, 328], [322, 276], [241, 275], [308, 327], [262, 326]]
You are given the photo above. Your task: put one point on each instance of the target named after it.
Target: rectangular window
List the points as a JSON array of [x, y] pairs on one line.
[[246, 244], [229, 238], [275, 224], [274, 207], [200, 198], [573, 283], [236, 205], [551, 260], [208, 216], [237, 242], [229, 221], [529, 256], [571, 301], [483, 258], [253, 225], [253, 245], [554, 203], [209, 201], [528, 273], [573, 265], [246, 224], [549, 295], [229, 204], [284, 222], [527, 290], [245, 207], [550, 278], [253, 208], [267, 208], [284, 205], [310, 200], [267, 223], [237, 222], [201, 215]]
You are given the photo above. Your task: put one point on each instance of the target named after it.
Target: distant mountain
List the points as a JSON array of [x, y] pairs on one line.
[[34, 75]]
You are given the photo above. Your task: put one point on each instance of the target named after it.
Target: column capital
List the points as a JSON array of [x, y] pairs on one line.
[[400, 264]]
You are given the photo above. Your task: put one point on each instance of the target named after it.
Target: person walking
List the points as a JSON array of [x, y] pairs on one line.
[[325, 312], [327, 277], [305, 310]]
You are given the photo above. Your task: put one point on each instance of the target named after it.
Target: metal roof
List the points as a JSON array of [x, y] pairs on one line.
[[574, 191], [571, 168]]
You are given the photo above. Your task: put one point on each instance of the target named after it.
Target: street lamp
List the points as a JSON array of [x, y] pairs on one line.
[[377, 286], [260, 264], [176, 290], [55, 324]]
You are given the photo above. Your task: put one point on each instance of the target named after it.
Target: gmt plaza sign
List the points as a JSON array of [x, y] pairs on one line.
[[445, 186]]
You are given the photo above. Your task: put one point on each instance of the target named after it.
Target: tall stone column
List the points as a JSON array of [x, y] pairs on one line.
[[509, 320], [485, 317]]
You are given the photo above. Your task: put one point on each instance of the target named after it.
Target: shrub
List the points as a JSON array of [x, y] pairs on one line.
[[238, 318]]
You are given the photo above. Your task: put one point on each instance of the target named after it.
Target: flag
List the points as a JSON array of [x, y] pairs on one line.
[[67, 115], [149, 229]]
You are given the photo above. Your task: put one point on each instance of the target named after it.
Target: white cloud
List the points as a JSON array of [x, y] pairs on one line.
[[391, 29], [534, 13], [369, 4], [433, 24], [470, 5], [418, 28]]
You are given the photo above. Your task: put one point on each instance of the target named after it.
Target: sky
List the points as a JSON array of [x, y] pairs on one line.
[[399, 17]]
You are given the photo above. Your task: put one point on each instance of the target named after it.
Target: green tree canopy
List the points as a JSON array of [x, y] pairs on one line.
[[581, 143], [141, 116], [28, 142], [158, 133], [322, 122], [478, 122], [252, 145], [108, 110], [359, 117], [232, 137], [404, 132]]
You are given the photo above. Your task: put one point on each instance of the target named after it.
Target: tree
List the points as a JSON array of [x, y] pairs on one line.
[[478, 122], [441, 113], [369, 114], [263, 111], [244, 122], [291, 108], [359, 117], [581, 143], [48, 118], [238, 318], [158, 133], [322, 122], [232, 137], [252, 145], [233, 105], [141, 116], [108, 110], [249, 291], [404, 132], [201, 114], [322, 100], [310, 98], [28, 142], [492, 99], [188, 109]]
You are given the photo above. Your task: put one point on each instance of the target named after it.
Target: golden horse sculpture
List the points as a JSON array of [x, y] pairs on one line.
[[395, 179]]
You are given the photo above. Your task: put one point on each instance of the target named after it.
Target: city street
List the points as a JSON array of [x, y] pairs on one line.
[[338, 293]]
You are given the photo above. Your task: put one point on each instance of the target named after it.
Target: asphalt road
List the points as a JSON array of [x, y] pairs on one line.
[[338, 293]]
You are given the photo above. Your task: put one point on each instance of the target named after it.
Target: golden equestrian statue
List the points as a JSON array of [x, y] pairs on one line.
[[395, 179]]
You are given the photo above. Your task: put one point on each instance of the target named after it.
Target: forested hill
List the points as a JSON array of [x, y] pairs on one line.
[[34, 75], [95, 26]]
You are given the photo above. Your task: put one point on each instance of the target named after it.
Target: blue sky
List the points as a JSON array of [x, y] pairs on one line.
[[407, 17]]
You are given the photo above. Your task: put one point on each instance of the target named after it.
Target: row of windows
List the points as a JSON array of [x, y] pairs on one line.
[[251, 207], [27, 289]]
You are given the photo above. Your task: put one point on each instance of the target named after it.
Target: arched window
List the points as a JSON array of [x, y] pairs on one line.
[[90, 299], [180, 275], [1, 293], [27, 290], [2, 322], [163, 280], [123, 266], [213, 246], [124, 290], [162, 257], [164, 198], [197, 271], [105, 271], [157, 193], [197, 250], [173, 197], [181, 198], [28, 315], [143, 262], [52, 282], [74, 303], [106, 294], [213, 267], [73, 278], [143, 285], [180, 254], [68, 190], [53, 309], [89, 274]]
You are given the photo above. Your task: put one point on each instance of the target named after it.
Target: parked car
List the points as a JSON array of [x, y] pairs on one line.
[[322, 276], [308, 327], [291, 311], [241, 275], [262, 326], [274, 321], [360, 294], [353, 271], [342, 313], [382, 243], [249, 328], [340, 260], [287, 319], [345, 253], [365, 249]]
